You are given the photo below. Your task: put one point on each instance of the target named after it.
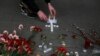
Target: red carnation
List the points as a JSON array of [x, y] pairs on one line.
[[2, 39], [17, 42], [61, 49], [22, 40], [87, 43], [10, 42], [37, 29], [5, 36], [9, 48], [29, 50], [20, 49]]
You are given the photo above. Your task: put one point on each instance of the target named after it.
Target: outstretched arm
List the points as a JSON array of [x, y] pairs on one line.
[[33, 6]]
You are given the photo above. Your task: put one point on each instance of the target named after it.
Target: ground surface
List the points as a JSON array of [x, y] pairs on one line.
[[84, 13]]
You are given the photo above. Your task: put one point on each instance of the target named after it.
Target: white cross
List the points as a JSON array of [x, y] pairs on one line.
[[52, 21]]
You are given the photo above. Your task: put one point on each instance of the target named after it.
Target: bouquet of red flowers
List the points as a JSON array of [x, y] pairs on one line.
[[14, 46], [60, 51]]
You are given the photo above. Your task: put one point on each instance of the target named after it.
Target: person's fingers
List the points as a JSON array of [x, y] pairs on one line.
[[53, 12], [43, 17], [40, 18]]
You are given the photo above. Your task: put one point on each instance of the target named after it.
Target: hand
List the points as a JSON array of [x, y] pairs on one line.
[[42, 15], [51, 9]]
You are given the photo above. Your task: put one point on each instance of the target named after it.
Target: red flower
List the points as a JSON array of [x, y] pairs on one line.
[[9, 48], [20, 49], [5, 35], [17, 42], [37, 29], [61, 49], [29, 50], [22, 40], [87, 43], [2, 39], [10, 42]]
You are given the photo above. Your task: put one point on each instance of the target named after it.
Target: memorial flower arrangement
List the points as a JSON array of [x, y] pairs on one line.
[[12, 44]]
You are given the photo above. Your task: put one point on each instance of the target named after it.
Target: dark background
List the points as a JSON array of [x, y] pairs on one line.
[[84, 13]]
